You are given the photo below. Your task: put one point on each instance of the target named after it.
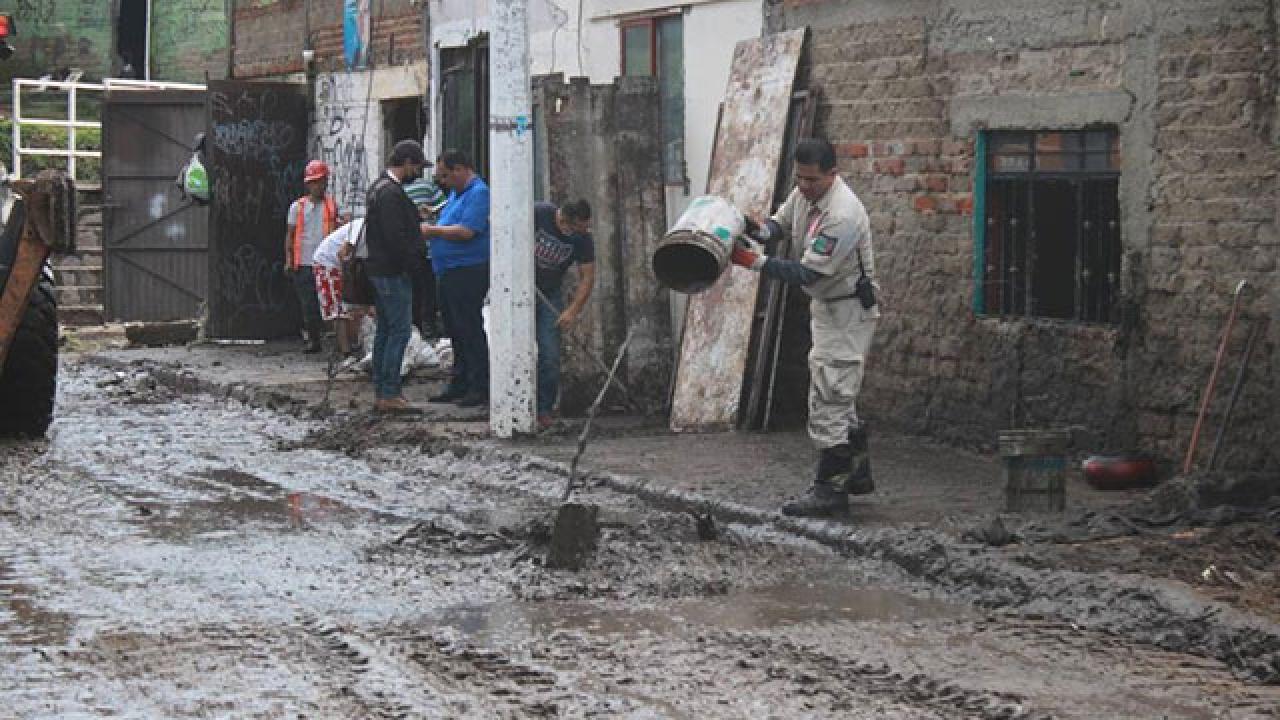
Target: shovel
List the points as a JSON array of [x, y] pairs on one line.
[[575, 530]]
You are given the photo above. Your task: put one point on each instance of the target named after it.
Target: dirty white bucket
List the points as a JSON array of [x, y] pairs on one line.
[[695, 251]]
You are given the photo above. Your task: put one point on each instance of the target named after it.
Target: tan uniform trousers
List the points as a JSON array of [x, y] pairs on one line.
[[842, 333]]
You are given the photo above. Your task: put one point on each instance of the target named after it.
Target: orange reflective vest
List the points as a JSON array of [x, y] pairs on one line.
[[330, 224]]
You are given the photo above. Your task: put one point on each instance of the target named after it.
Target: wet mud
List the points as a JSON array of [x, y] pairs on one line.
[[193, 556]]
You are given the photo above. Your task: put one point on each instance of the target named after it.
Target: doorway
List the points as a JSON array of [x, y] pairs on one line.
[[132, 48], [464, 101], [402, 119]]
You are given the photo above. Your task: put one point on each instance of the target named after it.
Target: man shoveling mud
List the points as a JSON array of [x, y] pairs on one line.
[[835, 268]]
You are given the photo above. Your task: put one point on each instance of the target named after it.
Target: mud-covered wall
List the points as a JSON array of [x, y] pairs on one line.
[[908, 85], [601, 143]]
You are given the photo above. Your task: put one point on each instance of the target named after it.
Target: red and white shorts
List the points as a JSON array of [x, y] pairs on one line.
[[329, 292]]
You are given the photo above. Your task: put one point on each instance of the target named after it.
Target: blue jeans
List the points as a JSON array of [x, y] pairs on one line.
[[393, 298], [548, 333], [462, 292]]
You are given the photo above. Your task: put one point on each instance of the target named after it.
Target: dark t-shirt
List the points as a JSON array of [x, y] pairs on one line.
[[554, 251]]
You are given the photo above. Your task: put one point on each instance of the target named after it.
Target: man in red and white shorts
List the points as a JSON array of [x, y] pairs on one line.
[[328, 273]]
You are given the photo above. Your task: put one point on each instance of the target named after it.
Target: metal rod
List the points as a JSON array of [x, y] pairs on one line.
[[1254, 332], [17, 128], [1213, 379], [146, 49], [591, 416], [589, 353], [71, 132]]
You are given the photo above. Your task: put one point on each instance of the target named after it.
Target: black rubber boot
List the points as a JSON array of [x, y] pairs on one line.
[[827, 496], [860, 482]]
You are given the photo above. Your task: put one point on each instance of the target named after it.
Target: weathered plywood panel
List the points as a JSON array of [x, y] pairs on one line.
[[744, 169]]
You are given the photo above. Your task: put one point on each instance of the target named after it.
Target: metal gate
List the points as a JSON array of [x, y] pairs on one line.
[[155, 244], [257, 150]]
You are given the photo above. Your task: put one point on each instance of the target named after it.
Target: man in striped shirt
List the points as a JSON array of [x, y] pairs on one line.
[[429, 199]]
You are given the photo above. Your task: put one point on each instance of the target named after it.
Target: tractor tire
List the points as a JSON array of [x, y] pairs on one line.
[[29, 380]]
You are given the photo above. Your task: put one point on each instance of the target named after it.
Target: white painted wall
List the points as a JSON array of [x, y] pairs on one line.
[[711, 30], [348, 130]]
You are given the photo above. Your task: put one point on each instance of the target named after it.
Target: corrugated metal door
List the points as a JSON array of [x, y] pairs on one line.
[[257, 151], [156, 245]]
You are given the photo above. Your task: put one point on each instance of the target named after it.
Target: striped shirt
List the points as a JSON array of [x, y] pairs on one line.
[[425, 192]]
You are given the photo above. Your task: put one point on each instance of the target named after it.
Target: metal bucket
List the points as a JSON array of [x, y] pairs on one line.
[[1035, 469], [695, 251]]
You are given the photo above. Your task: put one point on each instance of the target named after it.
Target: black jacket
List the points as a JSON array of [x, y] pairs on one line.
[[391, 229]]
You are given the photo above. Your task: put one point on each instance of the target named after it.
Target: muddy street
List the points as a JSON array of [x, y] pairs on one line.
[[166, 555]]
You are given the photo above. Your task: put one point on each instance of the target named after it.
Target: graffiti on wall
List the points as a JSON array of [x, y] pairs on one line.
[[257, 146], [346, 134]]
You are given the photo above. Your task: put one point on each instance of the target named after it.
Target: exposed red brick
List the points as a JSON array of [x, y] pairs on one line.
[[889, 166], [852, 150], [936, 183], [924, 203]]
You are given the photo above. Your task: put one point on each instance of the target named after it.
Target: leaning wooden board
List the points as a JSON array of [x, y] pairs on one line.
[[744, 169]]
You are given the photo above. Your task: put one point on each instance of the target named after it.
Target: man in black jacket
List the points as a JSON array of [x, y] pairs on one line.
[[394, 242]]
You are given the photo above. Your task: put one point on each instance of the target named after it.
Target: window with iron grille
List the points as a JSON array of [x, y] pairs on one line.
[[1051, 241]]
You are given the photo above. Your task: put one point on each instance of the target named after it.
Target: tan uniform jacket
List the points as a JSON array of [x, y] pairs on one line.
[[830, 241]]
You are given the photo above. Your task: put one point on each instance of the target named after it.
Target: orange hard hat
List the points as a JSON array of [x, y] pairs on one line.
[[316, 169]]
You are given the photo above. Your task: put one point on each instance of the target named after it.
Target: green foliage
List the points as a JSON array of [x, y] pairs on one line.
[[37, 136]]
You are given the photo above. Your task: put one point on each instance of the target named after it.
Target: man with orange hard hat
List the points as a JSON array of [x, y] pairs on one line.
[[311, 217]]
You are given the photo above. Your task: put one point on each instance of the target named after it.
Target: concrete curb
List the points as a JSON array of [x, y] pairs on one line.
[[1161, 616]]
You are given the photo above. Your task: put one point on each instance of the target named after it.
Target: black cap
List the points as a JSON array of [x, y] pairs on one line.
[[407, 151]]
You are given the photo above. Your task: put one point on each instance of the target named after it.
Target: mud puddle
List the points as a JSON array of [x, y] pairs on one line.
[[747, 610], [247, 501]]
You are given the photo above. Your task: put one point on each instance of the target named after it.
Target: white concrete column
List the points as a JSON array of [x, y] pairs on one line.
[[512, 349]]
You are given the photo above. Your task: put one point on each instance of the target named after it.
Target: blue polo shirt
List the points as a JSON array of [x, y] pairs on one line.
[[470, 209]]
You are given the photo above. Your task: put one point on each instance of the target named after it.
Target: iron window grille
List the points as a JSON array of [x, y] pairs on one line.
[[1051, 245]]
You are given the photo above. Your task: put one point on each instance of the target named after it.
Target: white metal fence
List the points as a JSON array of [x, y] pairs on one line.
[[72, 123]]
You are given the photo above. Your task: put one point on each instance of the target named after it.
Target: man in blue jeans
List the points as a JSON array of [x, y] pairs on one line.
[[460, 260], [562, 240], [393, 239]]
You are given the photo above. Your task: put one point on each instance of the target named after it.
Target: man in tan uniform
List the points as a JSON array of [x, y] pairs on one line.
[[835, 267]]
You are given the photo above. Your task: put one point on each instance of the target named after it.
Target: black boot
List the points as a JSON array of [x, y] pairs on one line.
[[827, 496], [860, 482]]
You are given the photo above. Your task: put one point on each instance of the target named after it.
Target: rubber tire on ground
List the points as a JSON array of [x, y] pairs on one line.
[[29, 380]]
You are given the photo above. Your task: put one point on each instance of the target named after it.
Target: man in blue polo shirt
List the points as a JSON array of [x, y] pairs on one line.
[[460, 259]]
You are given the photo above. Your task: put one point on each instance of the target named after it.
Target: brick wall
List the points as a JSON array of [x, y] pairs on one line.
[[269, 36], [904, 97], [1214, 205]]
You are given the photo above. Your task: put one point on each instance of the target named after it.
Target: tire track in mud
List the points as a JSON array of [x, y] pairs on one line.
[[457, 679], [1139, 611]]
